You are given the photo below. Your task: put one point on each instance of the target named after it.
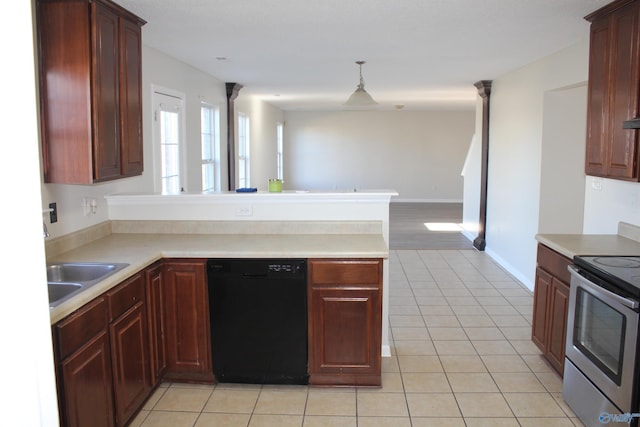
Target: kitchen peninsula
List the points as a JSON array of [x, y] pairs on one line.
[[151, 319], [144, 228]]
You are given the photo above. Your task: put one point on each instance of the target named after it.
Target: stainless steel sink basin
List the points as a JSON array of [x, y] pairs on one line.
[[65, 279], [81, 272], [57, 291]]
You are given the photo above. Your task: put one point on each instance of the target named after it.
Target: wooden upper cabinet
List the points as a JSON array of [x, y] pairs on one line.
[[90, 90], [131, 97], [614, 77]]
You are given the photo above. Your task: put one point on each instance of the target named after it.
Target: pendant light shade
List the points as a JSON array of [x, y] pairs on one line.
[[360, 98]]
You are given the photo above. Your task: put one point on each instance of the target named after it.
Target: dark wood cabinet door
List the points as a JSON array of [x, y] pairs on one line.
[[541, 294], [598, 99], [64, 59], [156, 322], [551, 305], [345, 322], [187, 320], [106, 93], [558, 309], [87, 384], [614, 79], [341, 333], [622, 156], [131, 97], [130, 355], [89, 57]]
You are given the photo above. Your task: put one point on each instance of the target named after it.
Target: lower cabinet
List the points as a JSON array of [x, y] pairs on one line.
[[551, 305], [186, 312], [345, 322], [83, 367], [129, 347], [156, 322], [102, 358], [111, 353]]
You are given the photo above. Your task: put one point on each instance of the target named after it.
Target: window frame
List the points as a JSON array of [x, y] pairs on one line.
[[214, 149], [244, 150]]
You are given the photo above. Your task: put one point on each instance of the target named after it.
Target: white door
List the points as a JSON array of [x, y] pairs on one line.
[[168, 135]]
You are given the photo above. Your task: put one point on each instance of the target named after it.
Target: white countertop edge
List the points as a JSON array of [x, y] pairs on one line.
[[373, 196]]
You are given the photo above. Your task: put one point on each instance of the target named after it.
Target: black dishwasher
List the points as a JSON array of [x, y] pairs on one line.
[[258, 310]]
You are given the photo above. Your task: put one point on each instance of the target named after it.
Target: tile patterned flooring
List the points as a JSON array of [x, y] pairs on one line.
[[462, 356]]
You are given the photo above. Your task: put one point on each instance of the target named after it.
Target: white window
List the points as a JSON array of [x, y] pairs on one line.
[[168, 134], [279, 143], [243, 151], [210, 139]]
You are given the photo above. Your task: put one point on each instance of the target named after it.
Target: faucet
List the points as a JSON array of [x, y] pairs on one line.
[[46, 232]]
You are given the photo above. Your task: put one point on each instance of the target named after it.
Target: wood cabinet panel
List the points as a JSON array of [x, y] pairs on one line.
[[539, 331], [558, 310], [345, 322], [551, 306], [614, 84], [130, 355], [124, 296], [106, 93], [87, 399], [90, 80], [345, 272], [188, 336], [65, 82], [156, 322], [75, 330], [131, 97]]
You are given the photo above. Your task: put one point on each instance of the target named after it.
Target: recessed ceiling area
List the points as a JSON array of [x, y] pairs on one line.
[[300, 55]]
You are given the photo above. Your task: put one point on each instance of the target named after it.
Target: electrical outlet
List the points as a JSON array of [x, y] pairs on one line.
[[53, 215], [245, 210], [89, 206]]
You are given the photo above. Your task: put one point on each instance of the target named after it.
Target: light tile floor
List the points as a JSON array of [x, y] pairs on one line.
[[462, 356]]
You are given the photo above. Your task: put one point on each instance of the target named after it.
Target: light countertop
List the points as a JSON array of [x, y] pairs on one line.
[[141, 250], [570, 245]]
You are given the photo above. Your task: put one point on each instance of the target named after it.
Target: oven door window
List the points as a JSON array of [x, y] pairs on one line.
[[599, 332]]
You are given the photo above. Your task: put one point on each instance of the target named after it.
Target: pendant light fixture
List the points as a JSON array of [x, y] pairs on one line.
[[360, 98]]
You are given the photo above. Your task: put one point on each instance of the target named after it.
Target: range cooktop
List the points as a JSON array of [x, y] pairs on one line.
[[620, 271]]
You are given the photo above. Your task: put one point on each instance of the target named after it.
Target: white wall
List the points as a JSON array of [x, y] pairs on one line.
[[564, 138], [615, 201], [29, 397], [164, 71], [263, 149], [419, 154], [515, 157]]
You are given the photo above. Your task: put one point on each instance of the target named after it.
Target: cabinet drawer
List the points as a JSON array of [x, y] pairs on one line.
[[125, 295], [554, 263], [79, 327], [333, 272]]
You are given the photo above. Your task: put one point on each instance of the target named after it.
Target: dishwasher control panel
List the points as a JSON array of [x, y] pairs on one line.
[[256, 268], [285, 268]]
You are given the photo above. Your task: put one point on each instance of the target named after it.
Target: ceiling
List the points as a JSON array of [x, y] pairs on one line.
[[420, 54]]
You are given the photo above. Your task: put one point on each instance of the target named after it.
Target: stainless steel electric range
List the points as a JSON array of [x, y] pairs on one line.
[[601, 373]]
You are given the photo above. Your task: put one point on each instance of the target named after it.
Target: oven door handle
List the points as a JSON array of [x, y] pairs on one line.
[[600, 290]]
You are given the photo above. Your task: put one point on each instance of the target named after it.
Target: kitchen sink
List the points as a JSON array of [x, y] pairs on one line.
[[58, 291], [81, 272], [65, 279]]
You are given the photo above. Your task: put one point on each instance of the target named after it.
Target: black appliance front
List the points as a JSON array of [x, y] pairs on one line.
[[258, 310]]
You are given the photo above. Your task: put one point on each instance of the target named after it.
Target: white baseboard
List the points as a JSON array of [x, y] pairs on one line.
[[510, 269], [386, 351], [468, 235], [397, 200]]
